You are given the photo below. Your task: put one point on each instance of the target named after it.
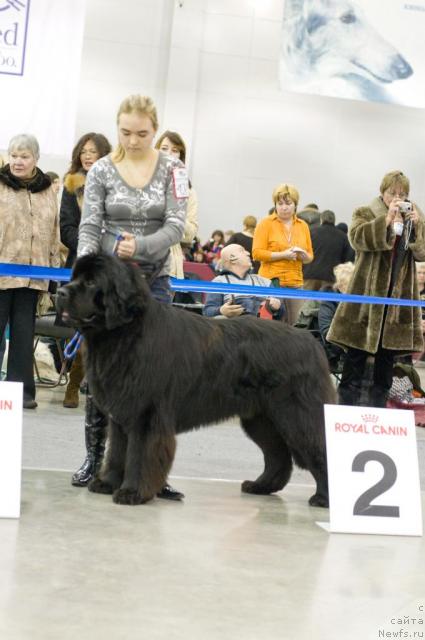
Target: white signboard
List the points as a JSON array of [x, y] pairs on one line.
[[373, 471], [10, 449]]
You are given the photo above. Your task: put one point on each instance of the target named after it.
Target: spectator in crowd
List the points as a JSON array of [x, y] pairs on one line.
[[343, 226], [3, 337], [56, 181], [212, 248], [388, 235], [236, 269], [310, 214], [245, 238], [132, 207], [343, 273], [330, 247], [227, 235], [171, 143], [189, 249], [30, 236], [89, 148], [198, 255], [420, 274], [282, 244]]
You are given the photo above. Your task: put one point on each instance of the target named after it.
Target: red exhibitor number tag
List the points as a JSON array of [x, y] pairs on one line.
[[180, 183]]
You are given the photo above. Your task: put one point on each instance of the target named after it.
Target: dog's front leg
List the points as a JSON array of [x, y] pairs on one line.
[[150, 454], [111, 473]]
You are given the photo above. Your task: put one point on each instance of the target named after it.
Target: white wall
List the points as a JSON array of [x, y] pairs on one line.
[[212, 68], [249, 136]]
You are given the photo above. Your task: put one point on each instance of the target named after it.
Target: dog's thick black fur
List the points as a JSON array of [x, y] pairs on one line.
[[158, 371]]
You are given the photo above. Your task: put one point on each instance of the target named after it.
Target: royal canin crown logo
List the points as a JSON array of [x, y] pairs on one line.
[[369, 417]]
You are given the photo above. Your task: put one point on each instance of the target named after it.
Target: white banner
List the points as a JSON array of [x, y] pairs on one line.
[[359, 49], [10, 448], [40, 58]]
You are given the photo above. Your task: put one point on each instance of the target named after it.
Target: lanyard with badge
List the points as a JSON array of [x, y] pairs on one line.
[[180, 183]]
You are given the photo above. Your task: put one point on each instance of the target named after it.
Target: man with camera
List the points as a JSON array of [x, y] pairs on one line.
[[236, 269], [388, 236]]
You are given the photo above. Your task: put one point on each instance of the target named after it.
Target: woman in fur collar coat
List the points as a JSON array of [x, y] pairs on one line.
[[29, 235], [89, 148], [388, 237]]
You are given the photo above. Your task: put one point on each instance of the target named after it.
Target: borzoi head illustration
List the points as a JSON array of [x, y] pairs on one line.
[[330, 48]]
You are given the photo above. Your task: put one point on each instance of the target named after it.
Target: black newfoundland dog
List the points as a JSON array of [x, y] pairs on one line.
[[157, 371]]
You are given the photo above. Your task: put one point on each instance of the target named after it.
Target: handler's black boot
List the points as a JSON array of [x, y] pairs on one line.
[[95, 435], [168, 493]]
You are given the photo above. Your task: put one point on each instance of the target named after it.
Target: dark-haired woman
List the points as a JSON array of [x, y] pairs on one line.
[[172, 144], [89, 148]]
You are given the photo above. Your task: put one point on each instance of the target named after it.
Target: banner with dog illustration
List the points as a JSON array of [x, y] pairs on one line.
[[40, 56], [356, 49]]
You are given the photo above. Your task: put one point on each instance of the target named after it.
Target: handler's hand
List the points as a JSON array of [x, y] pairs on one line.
[[127, 246], [231, 310]]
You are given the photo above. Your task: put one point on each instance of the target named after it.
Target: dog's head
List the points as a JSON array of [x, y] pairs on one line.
[[334, 39], [104, 293]]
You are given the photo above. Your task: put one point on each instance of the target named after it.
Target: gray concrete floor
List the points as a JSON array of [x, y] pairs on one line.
[[220, 566]]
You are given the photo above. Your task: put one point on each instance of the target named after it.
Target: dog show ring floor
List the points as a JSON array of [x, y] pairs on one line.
[[221, 565]]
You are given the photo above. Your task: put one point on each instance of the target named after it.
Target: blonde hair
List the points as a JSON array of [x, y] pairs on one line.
[[136, 103], [343, 273], [285, 190], [394, 178], [249, 222]]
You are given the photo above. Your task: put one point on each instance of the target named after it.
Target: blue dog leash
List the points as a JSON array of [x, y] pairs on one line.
[[74, 344]]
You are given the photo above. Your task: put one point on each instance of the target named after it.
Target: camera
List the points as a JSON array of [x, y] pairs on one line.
[[405, 207]]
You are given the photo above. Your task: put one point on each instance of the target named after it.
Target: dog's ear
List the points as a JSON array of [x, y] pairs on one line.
[[126, 294]]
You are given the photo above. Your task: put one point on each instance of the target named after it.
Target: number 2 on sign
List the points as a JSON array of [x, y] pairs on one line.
[[362, 506]]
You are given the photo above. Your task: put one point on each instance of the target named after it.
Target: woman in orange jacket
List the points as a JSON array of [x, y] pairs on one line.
[[282, 244]]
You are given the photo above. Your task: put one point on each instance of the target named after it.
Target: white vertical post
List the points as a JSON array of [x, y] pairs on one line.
[[10, 448]]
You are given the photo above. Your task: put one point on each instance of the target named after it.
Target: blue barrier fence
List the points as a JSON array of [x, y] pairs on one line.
[[203, 286]]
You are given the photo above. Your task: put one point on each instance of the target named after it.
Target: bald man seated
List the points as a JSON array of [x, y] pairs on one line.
[[236, 267]]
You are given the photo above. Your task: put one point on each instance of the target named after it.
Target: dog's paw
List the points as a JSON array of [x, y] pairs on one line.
[[319, 501], [250, 486], [128, 496], [99, 486]]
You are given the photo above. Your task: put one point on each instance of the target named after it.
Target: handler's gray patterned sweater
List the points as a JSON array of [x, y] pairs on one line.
[[152, 214]]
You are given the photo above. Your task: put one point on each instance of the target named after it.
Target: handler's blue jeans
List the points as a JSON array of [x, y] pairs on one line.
[[160, 289]]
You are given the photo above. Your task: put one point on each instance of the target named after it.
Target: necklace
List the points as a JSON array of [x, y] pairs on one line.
[[287, 232]]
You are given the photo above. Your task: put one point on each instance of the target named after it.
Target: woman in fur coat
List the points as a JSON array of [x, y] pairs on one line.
[[388, 236], [89, 148], [29, 235]]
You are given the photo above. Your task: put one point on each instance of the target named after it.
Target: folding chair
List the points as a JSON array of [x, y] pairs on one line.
[[45, 328]]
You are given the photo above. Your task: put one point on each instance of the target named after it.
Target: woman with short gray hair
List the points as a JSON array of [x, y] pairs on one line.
[[30, 236]]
